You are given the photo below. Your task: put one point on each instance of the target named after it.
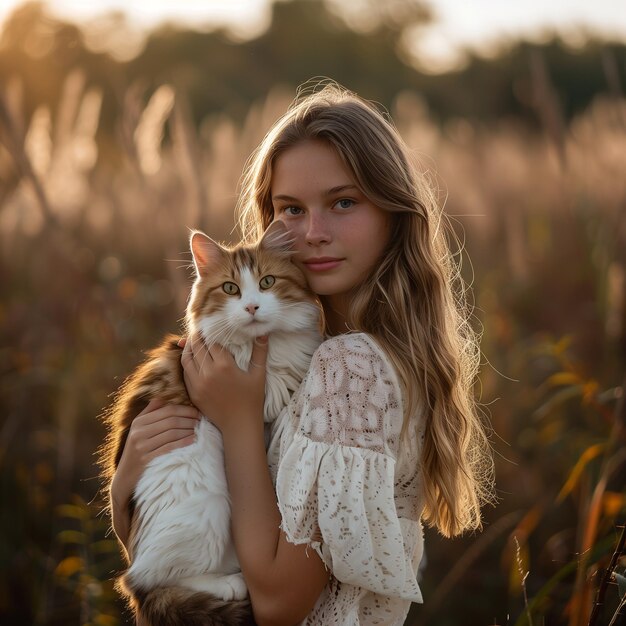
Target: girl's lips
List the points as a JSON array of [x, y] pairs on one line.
[[322, 265]]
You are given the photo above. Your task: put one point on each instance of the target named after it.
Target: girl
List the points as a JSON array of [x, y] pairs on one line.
[[383, 432]]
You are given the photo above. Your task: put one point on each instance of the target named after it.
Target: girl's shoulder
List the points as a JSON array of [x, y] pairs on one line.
[[356, 344], [351, 377], [359, 354]]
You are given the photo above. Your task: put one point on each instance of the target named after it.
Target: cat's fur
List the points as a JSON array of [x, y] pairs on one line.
[[183, 565]]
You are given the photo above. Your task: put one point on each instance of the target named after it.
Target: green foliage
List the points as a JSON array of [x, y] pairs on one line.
[[88, 558]]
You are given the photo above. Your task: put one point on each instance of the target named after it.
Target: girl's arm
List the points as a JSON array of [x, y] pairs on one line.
[[158, 429], [284, 580]]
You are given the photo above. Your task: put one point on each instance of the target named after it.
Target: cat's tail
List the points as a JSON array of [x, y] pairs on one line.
[[178, 606]]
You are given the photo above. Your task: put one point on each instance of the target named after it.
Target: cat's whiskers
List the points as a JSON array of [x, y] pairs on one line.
[[222, 332], [291, 305], [282, 317]]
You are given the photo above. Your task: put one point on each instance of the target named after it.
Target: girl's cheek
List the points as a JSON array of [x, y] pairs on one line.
[[294, 232]]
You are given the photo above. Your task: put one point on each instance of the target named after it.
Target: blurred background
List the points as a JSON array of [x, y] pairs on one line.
[[122, 125]]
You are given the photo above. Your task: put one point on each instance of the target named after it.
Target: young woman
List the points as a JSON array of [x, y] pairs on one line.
[[383, 432]]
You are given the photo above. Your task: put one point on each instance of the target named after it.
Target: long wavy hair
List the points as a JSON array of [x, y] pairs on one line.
[[414, 304]]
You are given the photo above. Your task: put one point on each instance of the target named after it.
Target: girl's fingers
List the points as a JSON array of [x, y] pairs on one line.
[[154, 404], [187, 357], [171, 423], [170, 437], [198, 351], [258, 358], [166, 412], [141, 435], [172, 445], [221, 354], [149, 440], [153, 432]]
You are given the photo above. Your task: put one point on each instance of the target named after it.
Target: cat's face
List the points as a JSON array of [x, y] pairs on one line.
[[248, 291]]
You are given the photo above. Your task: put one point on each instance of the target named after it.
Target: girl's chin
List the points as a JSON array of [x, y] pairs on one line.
[[324, 291], [328, 287]]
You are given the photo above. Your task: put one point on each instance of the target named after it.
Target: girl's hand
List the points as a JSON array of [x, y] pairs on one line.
[[158, 429], [224, 393]]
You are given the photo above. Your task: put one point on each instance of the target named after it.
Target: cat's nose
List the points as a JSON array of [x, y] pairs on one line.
[[252, 308]]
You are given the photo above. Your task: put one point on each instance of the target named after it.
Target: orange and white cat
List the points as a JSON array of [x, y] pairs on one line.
[[183, 568]]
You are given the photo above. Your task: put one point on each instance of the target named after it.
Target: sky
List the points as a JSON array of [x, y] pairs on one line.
[[479, 24]]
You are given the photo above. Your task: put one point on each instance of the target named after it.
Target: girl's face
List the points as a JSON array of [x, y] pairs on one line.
[[339, 234]]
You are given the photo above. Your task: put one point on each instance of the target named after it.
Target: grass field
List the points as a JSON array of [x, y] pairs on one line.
[[94, 269]]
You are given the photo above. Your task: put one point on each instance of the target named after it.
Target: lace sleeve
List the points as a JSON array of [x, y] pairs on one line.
[[351, 396], [335, 479]]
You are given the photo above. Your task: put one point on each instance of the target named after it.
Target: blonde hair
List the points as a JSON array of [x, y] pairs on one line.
[[414, 304]]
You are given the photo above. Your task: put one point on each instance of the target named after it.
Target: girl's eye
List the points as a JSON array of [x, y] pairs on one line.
[[344, 203], [230, 288], [292, 210], [266, 282]]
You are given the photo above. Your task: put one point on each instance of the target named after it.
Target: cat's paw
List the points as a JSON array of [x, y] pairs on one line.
[[232, 587]]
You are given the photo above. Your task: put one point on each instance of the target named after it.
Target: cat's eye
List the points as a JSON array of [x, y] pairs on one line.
[[266, 282], [230, 288]]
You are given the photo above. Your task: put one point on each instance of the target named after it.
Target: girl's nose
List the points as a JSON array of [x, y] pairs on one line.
[[317, 231]]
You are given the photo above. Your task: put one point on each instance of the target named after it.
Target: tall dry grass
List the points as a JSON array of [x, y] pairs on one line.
[[94, 268]]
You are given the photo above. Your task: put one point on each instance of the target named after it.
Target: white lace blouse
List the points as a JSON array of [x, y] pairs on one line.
[[349, 487]]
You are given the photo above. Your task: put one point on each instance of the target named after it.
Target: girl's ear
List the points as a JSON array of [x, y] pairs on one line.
[[206, 253], [277, 238]]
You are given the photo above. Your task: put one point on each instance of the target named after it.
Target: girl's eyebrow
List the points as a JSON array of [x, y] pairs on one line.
[[284, 197], [329, 192], [340, 188]]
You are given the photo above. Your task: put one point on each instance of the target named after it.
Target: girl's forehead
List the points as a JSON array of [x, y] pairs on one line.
[[308, 150], [309, 163]]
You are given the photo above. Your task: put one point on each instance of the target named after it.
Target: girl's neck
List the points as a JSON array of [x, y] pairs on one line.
[[335, 313]]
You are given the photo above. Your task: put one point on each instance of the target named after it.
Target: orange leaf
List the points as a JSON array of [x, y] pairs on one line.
[[590, 390], [564, 378], [593, 516], [589, 454], [613, 502], [69, 566], [529, 522]]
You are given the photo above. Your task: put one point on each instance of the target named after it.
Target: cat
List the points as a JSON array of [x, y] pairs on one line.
[[183, 568]]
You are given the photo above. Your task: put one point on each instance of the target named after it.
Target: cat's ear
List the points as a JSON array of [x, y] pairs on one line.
[[277, 237], [206, 253]]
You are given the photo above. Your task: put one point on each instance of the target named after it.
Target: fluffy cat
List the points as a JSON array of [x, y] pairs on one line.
[[184, 569]]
